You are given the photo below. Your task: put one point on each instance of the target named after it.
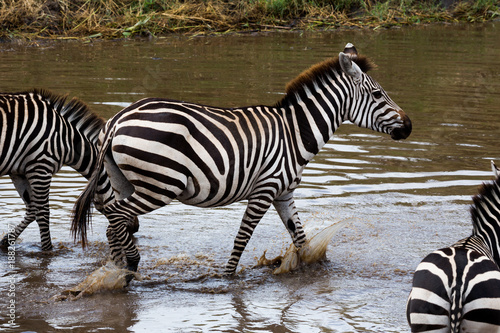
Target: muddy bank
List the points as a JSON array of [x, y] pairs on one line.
[[33, 19]]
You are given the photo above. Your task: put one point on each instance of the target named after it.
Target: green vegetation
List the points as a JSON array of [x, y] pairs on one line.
[[125, 18]]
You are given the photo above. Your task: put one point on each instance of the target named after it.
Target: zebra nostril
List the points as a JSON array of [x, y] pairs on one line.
[[402, 132]]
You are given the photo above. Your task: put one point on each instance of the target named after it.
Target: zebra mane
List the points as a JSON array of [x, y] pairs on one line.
[[485, 213], [75, 111], [320, 72]]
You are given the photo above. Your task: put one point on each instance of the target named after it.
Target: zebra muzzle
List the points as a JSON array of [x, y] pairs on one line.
[[403, 132]]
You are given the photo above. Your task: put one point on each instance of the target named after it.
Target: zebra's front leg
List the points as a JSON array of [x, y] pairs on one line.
[[285, 206], [40, 188], [256, 209]]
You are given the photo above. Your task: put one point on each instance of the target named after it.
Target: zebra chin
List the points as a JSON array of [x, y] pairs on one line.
[[403, 132]]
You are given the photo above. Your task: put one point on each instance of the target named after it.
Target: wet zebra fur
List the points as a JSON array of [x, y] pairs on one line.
[[457, 289], [40, 133], [157, 150]]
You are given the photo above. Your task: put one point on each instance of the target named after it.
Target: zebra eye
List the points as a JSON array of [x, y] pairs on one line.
[[377, 94]]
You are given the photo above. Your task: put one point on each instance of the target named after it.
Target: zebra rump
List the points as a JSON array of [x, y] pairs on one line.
[[457, 289]]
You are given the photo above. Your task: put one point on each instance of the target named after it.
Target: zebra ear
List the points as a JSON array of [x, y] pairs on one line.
[[496, 171], [349, 67], [351, 51]]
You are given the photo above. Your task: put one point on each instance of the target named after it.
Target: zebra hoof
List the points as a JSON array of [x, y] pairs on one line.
[[128, 278], [4, 243], [47, 248], [132, 267], [229, 273]]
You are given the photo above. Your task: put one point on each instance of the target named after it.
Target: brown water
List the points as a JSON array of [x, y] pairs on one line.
[[405, 199]]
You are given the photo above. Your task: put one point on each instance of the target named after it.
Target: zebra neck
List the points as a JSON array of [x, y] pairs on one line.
[[314, 115], [477, 244]]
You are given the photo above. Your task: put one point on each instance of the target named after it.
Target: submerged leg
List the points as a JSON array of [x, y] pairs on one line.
[[256, 209], [285, 206]]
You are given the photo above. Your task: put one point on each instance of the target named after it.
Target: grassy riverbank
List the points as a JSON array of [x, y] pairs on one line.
[[124, 18]]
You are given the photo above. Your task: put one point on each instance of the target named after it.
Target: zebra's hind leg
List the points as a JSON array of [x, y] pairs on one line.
[[117, 255], [285, 206], [13, 234], [120, 215], [120, 239], [256, 209]]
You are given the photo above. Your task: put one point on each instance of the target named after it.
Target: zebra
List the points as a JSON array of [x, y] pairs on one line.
[[41, 132], [157, 150], [457, 289]]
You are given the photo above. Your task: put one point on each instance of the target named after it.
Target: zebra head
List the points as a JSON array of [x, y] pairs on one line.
[[371, 105]]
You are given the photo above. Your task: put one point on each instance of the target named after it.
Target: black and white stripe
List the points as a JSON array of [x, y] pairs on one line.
[[39, 134], [157, 150], [457, 289]]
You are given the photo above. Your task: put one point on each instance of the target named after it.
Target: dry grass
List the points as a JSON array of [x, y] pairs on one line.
[[123, 18]]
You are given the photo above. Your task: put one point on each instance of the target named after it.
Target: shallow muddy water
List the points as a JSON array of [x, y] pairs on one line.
[[403, 199]]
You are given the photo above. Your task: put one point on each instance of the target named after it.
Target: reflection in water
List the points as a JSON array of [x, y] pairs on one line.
[[405, 197]]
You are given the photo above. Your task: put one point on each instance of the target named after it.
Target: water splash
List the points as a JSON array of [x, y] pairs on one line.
[[106, 278], [313, 251]]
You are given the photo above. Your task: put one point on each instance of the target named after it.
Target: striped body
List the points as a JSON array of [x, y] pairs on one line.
[[157, 150], [40, 133], [208, 156], [457, 289]]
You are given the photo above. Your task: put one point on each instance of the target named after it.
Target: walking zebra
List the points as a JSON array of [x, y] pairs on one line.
[[157, 150], [40, 133], [457, 289]]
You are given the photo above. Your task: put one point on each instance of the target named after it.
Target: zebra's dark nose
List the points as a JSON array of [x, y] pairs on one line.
[[402, 132]]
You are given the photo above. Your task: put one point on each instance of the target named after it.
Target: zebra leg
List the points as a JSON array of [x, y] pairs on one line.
[[39, 182], [285, 206], [23, 188], [120, 239], [115, 247], [121, 215], [256, 209]]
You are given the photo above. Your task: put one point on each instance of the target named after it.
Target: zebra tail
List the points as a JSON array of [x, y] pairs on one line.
[[82, 212]]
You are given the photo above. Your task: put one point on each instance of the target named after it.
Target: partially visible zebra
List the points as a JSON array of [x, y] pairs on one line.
[[457, 289], [39, 134], [157, 150]]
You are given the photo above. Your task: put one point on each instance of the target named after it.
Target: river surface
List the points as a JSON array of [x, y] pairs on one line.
[[403, 199]]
